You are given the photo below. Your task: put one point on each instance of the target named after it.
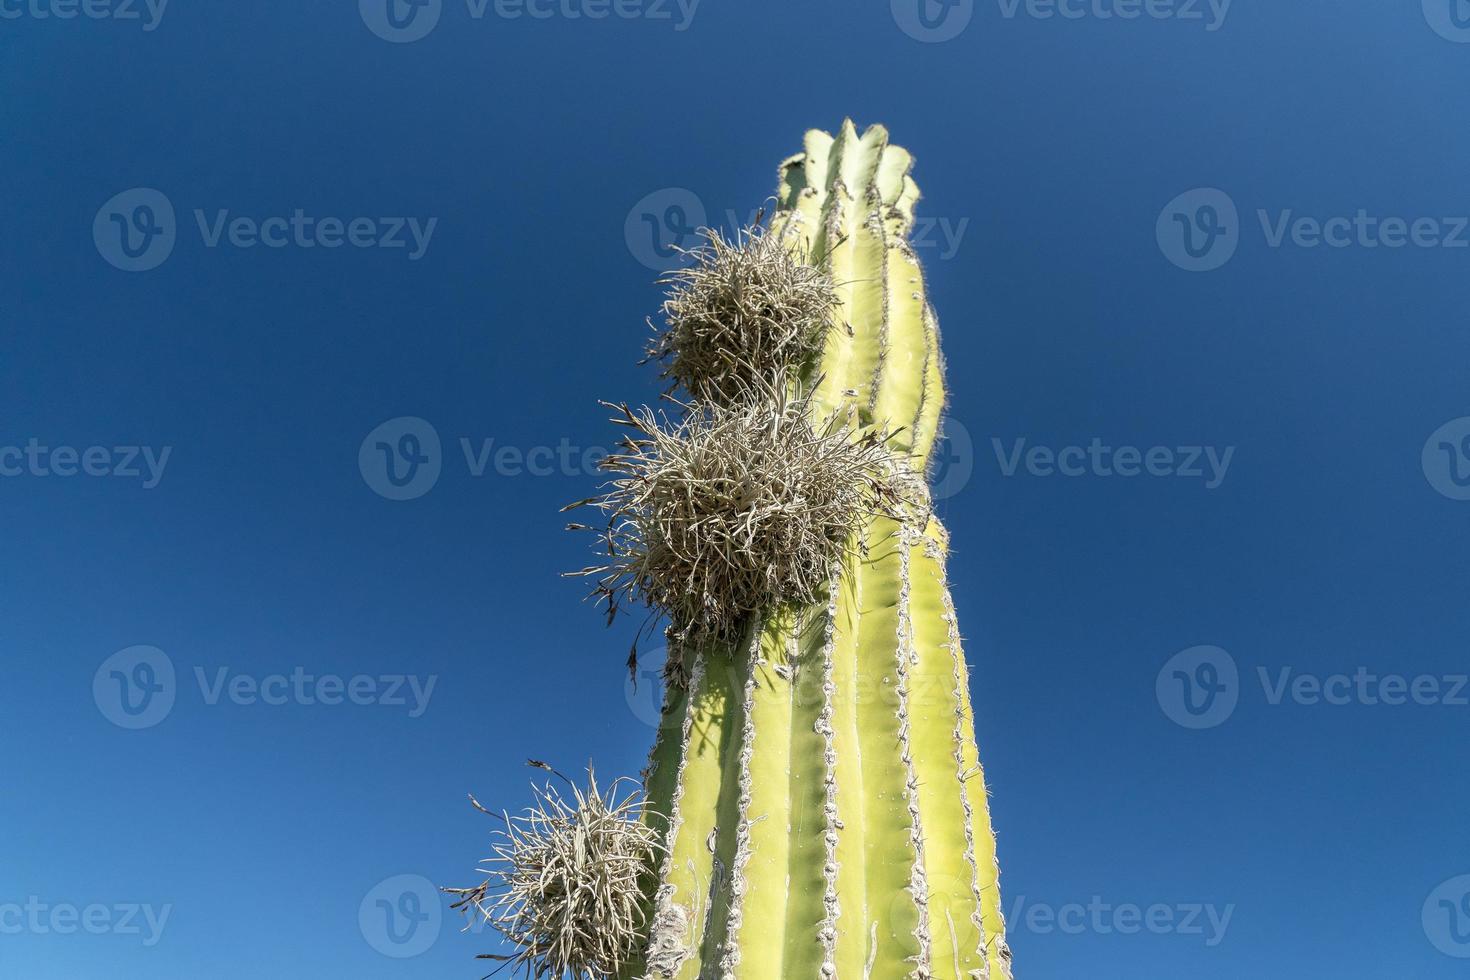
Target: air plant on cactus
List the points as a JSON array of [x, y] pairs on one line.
[[741, 314], [733, 508], [562, 884], [814, 790]]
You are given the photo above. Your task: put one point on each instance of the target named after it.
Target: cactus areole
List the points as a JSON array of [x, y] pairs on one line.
[[815, 781]]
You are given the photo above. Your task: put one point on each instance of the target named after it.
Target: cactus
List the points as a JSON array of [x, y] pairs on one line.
[[815, 778]]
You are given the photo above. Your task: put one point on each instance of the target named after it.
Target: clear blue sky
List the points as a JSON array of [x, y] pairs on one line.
[[1053, 150]]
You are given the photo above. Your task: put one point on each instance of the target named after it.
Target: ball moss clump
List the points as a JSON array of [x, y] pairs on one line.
[[743, 312], [735, 508], [563, 883]]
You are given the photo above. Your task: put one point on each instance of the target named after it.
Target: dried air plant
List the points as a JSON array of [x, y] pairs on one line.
[[563, 882], [735, 508], [744, 311]]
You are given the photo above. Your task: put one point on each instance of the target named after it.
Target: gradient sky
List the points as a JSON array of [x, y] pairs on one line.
[[1116, 254]]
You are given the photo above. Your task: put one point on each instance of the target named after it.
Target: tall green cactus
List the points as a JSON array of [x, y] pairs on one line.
[[817, 783]]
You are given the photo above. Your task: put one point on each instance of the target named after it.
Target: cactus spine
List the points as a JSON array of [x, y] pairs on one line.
[[817, 782]]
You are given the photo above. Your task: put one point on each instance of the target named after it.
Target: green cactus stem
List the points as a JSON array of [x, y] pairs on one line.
[[816, 778]]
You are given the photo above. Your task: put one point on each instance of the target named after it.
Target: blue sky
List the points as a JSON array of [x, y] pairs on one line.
[[1219, 247]]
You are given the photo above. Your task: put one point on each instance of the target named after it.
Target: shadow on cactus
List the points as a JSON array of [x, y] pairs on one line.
[[814, 804]]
